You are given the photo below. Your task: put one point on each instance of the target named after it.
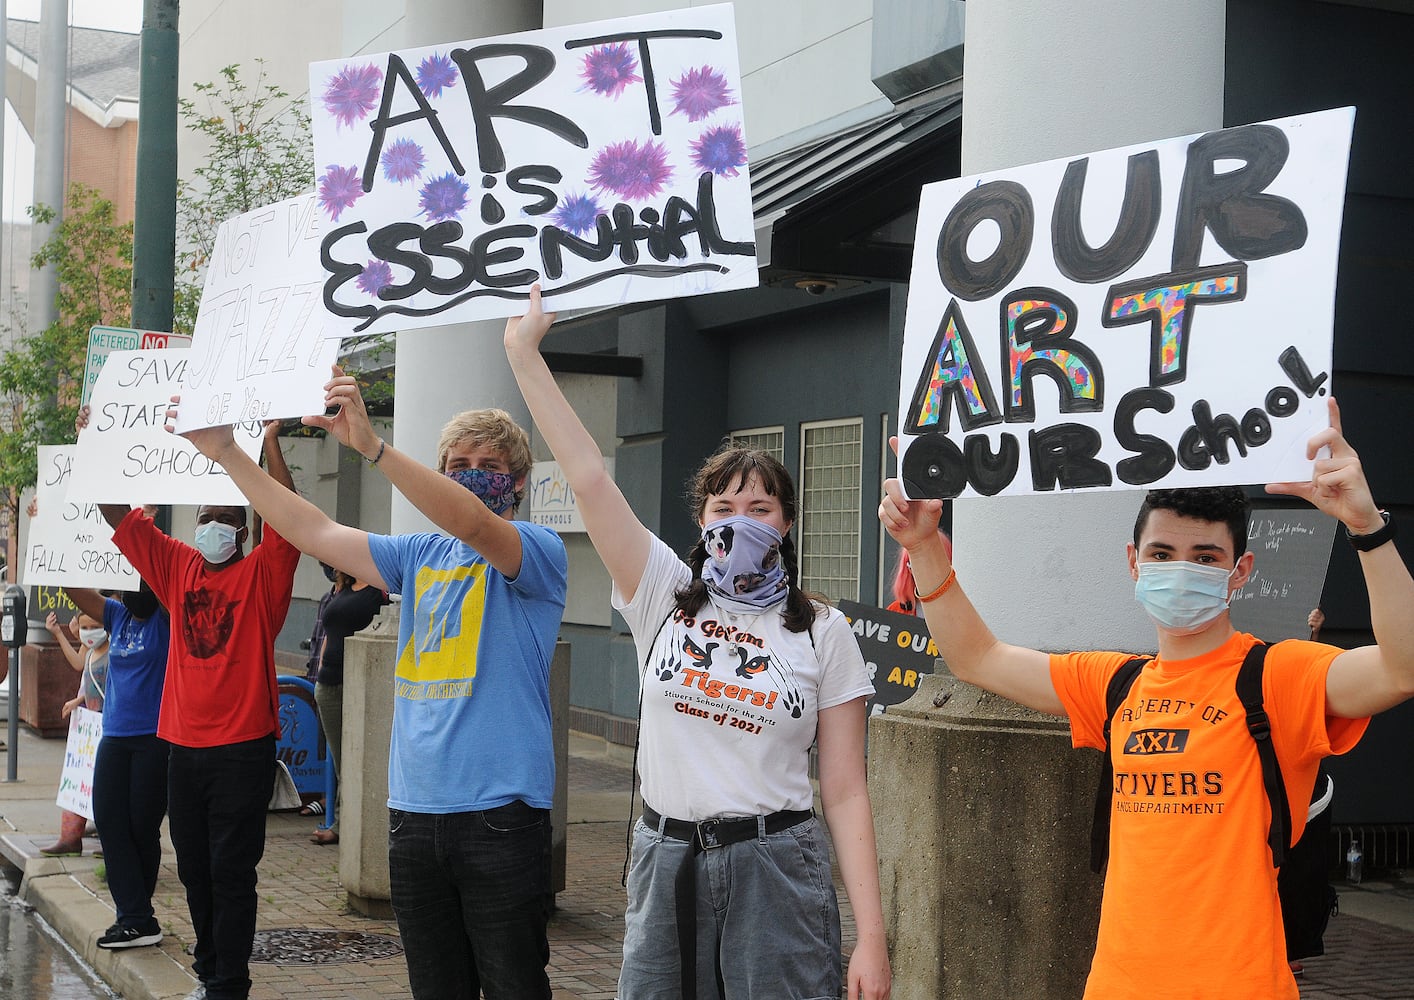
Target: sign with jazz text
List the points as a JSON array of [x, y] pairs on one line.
[[606, 161], [70, 544], [897, 649], [260, 350], [1153, 316]]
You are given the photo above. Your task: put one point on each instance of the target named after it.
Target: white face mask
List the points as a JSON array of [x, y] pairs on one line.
[[92, 637], [216, 542], [1183, 597]]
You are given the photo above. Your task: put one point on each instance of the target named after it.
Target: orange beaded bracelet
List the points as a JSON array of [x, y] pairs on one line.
[[942, 589]]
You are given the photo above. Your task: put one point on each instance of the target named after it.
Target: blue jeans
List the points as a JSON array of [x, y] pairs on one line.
[[766, 909], [216, 802], [129, 801], [470, 892]]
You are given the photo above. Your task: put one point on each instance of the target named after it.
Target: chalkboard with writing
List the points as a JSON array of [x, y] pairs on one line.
[[1292, 547]]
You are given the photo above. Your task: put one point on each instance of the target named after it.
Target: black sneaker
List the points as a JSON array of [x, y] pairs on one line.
[[119, 936]]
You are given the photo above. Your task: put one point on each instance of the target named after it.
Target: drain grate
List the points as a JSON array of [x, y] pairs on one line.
[[300, 946]]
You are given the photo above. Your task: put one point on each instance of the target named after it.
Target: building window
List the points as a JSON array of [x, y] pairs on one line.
[[771, 440], [830, 456]]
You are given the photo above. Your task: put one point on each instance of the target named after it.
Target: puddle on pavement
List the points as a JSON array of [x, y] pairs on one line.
[[34, 963]]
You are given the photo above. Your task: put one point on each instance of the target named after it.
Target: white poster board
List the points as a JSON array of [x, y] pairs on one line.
[[104, 340], [76, 780], [1153, 316], [70, 544], [126, 455], [550, 501], [606, 161], [260, 350]]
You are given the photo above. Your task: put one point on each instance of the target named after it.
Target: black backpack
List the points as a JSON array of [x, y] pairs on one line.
[[1307, 899]]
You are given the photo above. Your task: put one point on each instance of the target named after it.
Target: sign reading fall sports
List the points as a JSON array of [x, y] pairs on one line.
[[70, 544], [606, 161], [1153, 316]]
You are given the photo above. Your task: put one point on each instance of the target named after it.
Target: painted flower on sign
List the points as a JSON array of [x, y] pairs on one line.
[[435, 74], [720, 149], [609, 69], [339, 188], [699, 92], [443, 198], [377, 275], [402, 160], [353, 93], [578, 214], [630, 169]]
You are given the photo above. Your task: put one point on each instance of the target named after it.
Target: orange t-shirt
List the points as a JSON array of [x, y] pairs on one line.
[[1190, 905]]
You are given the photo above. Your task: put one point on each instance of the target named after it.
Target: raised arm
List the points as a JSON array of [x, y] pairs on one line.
[[275, 462], [448, 504], [302, 524], [56, 629], [968, 646], [1370, 679], [90, 602], [620, 538]]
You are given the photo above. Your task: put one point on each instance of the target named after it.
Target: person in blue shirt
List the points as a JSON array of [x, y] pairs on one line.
[[130, 770], [471, 766]]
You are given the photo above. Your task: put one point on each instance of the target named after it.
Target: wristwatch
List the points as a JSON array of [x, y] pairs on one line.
[[1376, 538]]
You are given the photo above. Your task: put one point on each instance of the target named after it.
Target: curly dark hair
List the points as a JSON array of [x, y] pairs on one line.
[[1225, 504], [728, 470]]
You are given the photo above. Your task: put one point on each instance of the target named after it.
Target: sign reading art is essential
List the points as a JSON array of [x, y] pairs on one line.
[[1153, 316], [605, 161], [70, 544], [126, 455], [260, 349]]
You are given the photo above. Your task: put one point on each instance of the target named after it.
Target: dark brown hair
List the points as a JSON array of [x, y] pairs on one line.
[[1218, 504], [727, 471]]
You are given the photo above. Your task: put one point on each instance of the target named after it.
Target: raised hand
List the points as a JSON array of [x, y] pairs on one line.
[[349, 423], [81, 418], [210, 441], [911, 523], [1337, 485], [527, 331]]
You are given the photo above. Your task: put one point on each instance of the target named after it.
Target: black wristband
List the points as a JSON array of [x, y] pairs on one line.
[[1376, 538]]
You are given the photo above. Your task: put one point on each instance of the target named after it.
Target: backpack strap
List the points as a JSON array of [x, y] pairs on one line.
[[1115, 693], [1249, 692]]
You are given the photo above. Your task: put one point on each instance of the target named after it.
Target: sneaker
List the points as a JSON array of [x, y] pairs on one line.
[[197, 994], [119, 936]]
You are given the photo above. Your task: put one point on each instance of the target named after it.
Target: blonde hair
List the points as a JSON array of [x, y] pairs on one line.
[[491, 428]]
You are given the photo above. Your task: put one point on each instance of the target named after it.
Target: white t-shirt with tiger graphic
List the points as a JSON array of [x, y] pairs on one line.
[[731, 697]]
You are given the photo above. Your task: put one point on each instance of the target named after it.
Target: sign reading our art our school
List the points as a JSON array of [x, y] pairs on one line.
[[606, 161], [1153, 316]]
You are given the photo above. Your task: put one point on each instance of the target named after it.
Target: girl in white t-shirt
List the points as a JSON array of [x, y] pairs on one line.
[[729, 892]]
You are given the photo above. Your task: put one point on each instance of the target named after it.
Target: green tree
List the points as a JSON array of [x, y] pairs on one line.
[[41, 375], [259, 151]]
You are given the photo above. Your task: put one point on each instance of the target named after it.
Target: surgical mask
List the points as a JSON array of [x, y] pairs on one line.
[[216, 542], [744, 561], [1183, 597], [497, 490], [92, 637]]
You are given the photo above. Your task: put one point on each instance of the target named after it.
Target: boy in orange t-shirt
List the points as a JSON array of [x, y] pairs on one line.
[[1190, 815]]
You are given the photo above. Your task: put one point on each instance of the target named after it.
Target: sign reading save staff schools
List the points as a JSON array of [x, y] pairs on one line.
[[897, 648], [126, 455], [606, 161], [260, 349], [70, 544], [1153, 316], [104, 340]]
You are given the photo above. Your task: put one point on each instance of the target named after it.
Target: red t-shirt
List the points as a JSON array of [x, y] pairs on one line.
[[220, 686], [1190, 906]]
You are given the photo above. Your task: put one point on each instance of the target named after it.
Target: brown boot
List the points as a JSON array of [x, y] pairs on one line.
[[62, 850]]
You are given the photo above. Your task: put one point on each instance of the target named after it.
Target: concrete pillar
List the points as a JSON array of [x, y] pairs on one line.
[[444, 370], [983, 808], [370, 658], [50, 135]]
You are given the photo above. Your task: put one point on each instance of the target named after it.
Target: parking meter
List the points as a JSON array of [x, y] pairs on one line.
[[14, 622]]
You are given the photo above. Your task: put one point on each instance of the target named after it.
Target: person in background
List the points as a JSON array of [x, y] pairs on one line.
[[90, 659], [905, 588], [350, 609]]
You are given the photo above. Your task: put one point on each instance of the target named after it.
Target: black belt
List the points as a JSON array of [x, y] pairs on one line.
[[708, 835]]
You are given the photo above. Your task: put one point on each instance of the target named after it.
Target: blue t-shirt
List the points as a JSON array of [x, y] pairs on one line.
[[137, 667], [471, 706]]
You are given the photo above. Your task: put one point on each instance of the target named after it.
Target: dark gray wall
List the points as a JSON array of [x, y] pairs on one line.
[[1287, 57]]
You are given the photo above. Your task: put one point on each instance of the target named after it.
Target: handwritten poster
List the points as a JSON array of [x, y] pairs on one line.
[[898, 650], [126, 455], [260, 349], [1153, 316], [70, 544], [1292, 552], [76, 779], [606, 161]]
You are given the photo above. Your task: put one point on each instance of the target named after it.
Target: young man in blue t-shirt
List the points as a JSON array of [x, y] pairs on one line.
[[471, 767]]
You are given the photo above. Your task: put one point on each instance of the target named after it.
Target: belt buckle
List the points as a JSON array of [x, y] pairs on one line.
[[706, 833]]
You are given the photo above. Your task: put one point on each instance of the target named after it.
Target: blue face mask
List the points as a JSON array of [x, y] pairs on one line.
[[216, 542], [1183, 597], [497, 490]]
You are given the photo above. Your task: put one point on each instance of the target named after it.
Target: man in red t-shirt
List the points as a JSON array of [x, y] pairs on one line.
[[219, 708], [1189, 820]]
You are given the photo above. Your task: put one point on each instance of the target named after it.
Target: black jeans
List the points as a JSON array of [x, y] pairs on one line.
[[216, 802], [470, 891], [129, 801]]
